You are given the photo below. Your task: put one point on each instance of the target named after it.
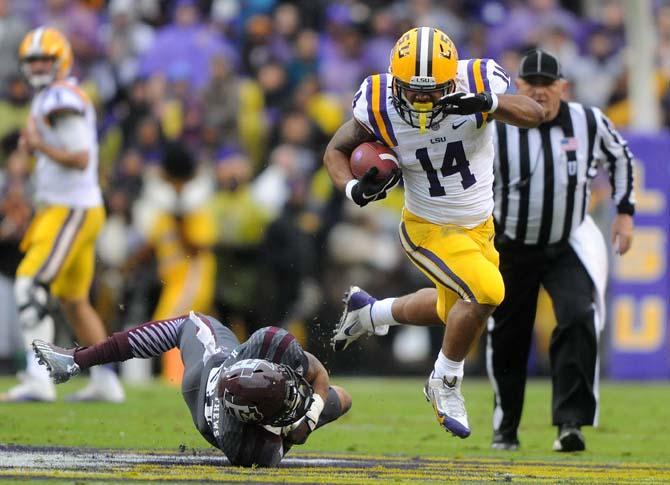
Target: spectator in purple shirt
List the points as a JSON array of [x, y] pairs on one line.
[[526, 23], [185, 41]]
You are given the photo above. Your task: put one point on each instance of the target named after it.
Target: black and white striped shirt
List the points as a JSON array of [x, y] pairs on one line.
[[543, 174]]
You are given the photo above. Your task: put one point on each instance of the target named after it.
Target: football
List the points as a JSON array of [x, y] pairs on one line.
[[373, 154]]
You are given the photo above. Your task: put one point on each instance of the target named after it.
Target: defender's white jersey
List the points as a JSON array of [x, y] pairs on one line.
[[56, 184], [448, 171]]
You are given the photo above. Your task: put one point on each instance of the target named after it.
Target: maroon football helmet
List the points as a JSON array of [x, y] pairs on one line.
[[259, 391]]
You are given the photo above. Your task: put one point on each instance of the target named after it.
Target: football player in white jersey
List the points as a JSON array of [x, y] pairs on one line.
[[433, 111], [59, 245]]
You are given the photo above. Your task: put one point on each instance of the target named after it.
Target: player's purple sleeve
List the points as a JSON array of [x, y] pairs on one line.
[[150, 339]]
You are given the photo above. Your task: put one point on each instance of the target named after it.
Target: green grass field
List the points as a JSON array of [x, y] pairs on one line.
[[389, 417]]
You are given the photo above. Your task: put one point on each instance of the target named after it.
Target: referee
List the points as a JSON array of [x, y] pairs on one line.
[[542, 189]]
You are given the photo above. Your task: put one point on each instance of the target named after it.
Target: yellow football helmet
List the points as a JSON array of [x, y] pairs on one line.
[[45, 43], [424, 59]]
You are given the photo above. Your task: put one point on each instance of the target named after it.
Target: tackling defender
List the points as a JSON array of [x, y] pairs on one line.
[[253, 400], [60, 242], [433, 111]]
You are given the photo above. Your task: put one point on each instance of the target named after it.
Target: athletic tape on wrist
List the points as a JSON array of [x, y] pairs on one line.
[[316, 408]]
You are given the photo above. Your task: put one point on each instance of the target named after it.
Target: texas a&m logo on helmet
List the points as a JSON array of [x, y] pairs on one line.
[[259, 391]]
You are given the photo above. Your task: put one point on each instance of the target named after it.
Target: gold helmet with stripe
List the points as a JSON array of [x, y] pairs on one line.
[[423, 60], [45, 43]]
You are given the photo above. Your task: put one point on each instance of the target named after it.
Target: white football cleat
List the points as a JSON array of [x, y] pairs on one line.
[[449, 404], [356, 319], [30, 388]]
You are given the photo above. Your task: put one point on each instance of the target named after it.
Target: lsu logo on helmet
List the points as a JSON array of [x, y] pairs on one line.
[[45, 43], [423, 59]]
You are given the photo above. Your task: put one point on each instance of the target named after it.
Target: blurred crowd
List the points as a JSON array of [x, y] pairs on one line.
[[254, 89]]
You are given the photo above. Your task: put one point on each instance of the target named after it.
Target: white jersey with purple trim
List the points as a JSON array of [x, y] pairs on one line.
[[448, 171], [56, 184]]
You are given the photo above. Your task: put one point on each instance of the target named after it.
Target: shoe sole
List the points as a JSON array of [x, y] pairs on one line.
[[40, 357], [448, 424]]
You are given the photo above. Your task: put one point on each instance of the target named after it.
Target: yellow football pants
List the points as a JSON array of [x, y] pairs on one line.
[[59, 249], [461, 262]]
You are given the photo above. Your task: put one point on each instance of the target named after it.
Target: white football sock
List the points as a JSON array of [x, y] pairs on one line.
[[447, 367], [382, 314]]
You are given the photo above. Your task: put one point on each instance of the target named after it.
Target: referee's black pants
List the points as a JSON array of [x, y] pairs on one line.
[[574, 344]]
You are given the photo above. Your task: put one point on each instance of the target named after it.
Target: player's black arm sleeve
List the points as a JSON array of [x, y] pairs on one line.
[[344, 141], [518, 110], [317, 376]]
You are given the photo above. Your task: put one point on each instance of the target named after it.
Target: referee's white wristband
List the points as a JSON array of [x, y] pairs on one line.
[[349, 187], [494, 102]]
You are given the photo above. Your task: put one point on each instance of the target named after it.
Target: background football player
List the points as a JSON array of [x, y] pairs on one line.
[[180, 234], [59, 245], [253, 400], [432, 110]]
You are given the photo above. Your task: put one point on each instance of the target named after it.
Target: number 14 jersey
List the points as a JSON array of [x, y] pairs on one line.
[[447, 171]]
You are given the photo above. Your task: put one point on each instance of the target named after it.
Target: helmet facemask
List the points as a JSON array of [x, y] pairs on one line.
[[417, 114], [299, 397], [39, 81]]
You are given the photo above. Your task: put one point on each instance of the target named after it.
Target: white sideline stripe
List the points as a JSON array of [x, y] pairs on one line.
[[83, 459]]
